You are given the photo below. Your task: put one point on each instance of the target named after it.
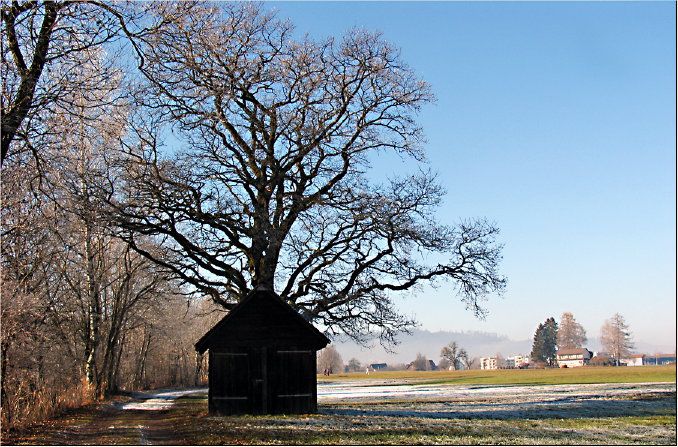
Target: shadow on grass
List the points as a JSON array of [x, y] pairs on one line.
[[565, 408]]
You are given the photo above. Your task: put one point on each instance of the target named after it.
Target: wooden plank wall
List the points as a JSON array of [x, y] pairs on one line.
[[280, 380]]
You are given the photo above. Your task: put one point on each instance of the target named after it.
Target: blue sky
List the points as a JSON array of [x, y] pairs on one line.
[[557, 122]]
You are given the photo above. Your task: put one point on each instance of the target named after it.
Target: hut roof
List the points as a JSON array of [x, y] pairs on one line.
[[571, 351], [262, 318]]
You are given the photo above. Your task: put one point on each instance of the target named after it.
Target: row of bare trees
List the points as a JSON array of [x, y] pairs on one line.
[[453, 357], [83, 313]]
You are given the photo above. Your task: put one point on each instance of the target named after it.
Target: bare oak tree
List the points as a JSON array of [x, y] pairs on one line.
[[270, 190], [330, 361], [354, 365], [455, 356], [421, 363]]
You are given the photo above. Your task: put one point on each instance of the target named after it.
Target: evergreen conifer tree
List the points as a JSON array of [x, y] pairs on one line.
[[537, 354], [550, 340], [544, 343]]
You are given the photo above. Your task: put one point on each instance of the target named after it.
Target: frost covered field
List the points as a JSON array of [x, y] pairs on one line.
[[496, 402], [368, 411], [397, 408]]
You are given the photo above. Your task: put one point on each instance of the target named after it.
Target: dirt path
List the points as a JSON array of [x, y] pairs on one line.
[[158, 400], [139, 419]]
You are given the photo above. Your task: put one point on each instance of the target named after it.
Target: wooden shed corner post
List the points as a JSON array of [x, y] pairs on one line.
[[210, 407]]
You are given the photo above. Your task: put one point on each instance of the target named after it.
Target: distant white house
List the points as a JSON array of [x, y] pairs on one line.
[[488, 363], [572, 358], [633, 360], [517, 361]]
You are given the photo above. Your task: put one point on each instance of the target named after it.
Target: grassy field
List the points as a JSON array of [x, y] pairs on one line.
[[189, 424], [553, 376], [328, 429], [540, 414]]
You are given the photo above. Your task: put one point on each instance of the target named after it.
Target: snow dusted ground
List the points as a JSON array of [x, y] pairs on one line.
[[442, 401], [496, 402], [384, 390], [162, 400]]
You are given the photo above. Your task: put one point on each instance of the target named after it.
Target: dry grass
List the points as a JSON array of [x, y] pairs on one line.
[[26, 407]]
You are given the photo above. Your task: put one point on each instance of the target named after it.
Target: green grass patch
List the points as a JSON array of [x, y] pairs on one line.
[[554, 376], [597, 423]]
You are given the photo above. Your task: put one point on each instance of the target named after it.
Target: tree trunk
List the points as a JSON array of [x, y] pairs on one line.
[[141, 363], [93, 292], [198, 368], [108, 364], [93, 310], [4, 401], [112, 382]]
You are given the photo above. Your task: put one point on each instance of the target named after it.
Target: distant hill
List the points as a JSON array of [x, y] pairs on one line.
[[477, 344]]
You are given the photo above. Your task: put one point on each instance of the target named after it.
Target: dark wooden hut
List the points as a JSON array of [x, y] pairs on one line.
[[262, 358]]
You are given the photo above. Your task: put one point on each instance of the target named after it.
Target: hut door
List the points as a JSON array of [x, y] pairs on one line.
[[229, 382], [258, 375], [294, 384]]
